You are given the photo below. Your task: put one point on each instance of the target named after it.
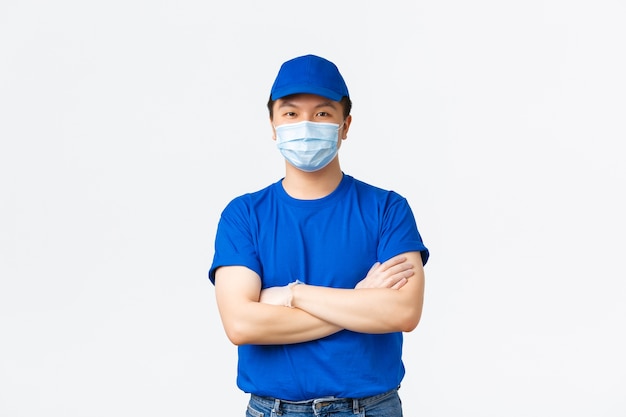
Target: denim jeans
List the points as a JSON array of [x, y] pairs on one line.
[[387, 404]]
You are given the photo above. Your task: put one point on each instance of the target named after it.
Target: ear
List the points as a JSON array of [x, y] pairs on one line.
[[346, 127], [273, 130]]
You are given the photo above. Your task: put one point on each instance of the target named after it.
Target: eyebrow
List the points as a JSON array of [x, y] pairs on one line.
[[286, 103]]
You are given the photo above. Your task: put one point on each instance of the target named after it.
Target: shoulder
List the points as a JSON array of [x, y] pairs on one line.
[[375, 192], [244, 204]]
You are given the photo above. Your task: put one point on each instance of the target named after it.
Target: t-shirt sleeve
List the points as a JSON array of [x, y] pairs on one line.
[[234, 240], [399, 231]]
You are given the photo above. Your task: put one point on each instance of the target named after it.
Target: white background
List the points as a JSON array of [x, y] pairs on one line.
[[126, 126]]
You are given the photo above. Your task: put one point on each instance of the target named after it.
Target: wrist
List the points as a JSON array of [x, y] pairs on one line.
[[291, 286]]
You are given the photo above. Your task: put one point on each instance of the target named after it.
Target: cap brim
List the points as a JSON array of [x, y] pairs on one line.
[[306, 89]]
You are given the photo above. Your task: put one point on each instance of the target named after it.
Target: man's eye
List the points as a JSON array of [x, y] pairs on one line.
[[290, 114], [322, 114]]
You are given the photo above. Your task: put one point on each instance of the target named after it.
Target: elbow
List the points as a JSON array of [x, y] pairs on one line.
[[410, 324], [235, 339], [237, 334], [409, 321]]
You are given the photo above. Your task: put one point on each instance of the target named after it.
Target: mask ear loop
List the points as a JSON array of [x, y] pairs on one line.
[[339, 128]]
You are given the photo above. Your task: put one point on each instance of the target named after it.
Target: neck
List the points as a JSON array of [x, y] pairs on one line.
[[312, 185]]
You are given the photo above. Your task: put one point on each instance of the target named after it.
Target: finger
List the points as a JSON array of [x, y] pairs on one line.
[[373, 267], [400, 284], [404, 274], [390, 263], [398, 269]]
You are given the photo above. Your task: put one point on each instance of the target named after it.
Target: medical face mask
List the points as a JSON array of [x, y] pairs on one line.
[[308, 146]]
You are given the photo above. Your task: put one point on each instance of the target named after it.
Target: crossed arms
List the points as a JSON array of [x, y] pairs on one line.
[[388, 299]]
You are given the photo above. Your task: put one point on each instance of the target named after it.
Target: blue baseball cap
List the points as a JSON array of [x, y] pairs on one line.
[[309, 74]]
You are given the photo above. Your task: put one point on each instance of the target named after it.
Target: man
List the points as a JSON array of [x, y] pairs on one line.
[[317, 275]]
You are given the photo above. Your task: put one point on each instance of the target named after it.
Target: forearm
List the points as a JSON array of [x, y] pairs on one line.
[[371, 310], [246, 320], [388, 299], [265, 324]]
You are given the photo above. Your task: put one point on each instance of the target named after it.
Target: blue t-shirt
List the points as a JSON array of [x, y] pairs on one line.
[[333, 242]]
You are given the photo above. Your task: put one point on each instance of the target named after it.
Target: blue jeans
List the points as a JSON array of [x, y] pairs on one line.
[[387, 404]]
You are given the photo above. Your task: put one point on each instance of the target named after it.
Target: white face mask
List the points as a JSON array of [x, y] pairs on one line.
[[308, 146]]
